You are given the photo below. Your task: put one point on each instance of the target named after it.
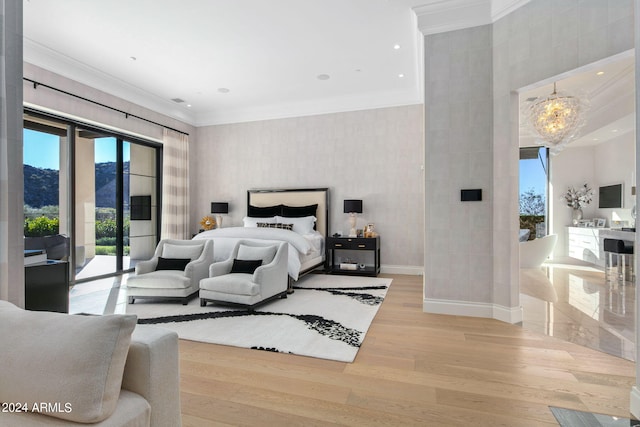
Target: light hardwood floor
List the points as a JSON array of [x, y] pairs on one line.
[[412, 369]]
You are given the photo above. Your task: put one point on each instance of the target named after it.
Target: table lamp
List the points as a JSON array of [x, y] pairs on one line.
[[352, 207], [219, 208]]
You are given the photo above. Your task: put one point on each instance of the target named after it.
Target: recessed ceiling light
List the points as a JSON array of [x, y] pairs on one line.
[[599, 73], [614, 130], [401, 75], [189, 105], [323, 77], [223, 90], [396, 46]]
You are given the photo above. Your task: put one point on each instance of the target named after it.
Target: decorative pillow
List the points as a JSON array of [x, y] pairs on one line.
[[299, 211], [277, 225], [264, 211], [253, 222], [54, 357], [304, 225], [172, 263], [264, 253], [181, 251], [245, 265]]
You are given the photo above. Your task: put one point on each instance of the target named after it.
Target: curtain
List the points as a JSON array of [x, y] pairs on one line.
[[175, 186]]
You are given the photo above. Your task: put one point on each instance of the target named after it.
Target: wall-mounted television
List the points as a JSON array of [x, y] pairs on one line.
[[140, 208], [610, 196]]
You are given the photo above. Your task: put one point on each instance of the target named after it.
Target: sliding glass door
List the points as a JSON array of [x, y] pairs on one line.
[[94, 175]]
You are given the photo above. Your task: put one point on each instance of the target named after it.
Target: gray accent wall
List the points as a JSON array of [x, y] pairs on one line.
[[373, 155], [11, 183], [538, 41]]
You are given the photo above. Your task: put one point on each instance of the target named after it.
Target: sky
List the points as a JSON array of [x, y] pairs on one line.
[[42, 150], [532, 175]]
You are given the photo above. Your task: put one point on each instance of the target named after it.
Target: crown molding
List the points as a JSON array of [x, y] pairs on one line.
[[501, 8], [311, 107], [55, 62], [440, 16]]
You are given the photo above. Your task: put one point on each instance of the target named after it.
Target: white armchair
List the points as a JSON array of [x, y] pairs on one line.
[[174, 271], [234, 281]]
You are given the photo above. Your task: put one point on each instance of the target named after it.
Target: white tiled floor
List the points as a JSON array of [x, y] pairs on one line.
[[572, 302]]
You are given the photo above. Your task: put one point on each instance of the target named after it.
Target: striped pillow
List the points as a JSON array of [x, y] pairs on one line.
[[278, 225]]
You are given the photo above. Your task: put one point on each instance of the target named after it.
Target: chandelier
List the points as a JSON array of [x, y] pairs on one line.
[[557, 119]]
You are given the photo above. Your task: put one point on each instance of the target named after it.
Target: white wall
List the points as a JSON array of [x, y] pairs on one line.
[[572, 167], [611, 162], [373, 155]]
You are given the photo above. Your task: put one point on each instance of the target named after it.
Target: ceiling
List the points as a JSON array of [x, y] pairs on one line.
[[223, 61], [220, 61], [609, 88]]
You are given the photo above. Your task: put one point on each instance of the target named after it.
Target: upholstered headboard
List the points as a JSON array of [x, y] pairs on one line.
[[294, 197]]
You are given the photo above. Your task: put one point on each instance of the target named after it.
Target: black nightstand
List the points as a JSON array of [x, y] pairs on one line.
[[363, 252]]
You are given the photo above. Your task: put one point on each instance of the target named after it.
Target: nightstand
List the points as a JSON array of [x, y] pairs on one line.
[[353, 255]]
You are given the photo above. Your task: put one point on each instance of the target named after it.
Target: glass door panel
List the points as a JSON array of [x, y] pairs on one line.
[[534, 180]]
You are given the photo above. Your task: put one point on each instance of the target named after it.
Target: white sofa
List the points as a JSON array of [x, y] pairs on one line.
[[64, 370]]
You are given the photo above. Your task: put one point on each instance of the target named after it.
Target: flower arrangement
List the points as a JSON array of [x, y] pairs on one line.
[[207, 223], [577, 199]]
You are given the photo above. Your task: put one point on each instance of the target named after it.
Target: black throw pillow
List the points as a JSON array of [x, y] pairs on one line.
[[264, 211], [299, 211], [245, 265], [172, 263]]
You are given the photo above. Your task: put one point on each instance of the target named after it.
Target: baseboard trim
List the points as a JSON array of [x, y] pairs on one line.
[[413, 270], [634, 405], [473, 309]]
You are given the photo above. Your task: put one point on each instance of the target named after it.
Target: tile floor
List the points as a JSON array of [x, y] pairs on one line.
[[571, 301]]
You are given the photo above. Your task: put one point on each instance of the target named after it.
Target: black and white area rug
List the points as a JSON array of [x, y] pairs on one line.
[[326, 317]]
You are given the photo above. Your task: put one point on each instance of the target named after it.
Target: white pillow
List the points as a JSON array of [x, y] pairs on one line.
[[303, 225], [72, 359], [181, 251], [250, 253], [253, 221]]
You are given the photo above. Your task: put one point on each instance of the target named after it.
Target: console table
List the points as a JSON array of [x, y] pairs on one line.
[[46, 286], [586, 244]]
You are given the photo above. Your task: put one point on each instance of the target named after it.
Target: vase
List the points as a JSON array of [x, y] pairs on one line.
[[576, 216]]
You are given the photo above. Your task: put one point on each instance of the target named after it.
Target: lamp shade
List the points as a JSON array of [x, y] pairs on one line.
[[353, 206], [219, 207]]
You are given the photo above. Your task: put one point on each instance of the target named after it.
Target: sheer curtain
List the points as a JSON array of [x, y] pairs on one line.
[[175, 186]]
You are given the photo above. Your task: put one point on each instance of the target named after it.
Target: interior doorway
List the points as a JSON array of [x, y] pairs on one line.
[[567, 297]]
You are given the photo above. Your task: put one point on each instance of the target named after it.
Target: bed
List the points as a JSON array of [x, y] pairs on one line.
[[281, 215]]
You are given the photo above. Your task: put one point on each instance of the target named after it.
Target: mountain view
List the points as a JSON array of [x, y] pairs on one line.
[[41, 185]]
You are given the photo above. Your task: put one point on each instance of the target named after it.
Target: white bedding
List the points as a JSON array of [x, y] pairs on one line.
[[301, 247]]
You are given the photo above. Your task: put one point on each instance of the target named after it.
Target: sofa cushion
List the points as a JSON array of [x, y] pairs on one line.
[[161, 279], [265, 253], [68, 361], [181, 251], [233, 283]]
